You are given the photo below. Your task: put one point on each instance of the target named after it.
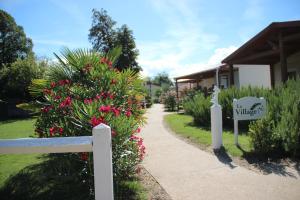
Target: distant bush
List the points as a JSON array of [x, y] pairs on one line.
[[149, 101], [16, 77], [170, 101], [199, 107]]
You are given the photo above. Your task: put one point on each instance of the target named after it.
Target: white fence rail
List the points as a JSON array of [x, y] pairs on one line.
[[99, 144]]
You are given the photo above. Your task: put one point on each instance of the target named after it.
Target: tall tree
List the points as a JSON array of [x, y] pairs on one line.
[[13, 42], [104, 37], [102, 34], [162, 79], [129, 53]]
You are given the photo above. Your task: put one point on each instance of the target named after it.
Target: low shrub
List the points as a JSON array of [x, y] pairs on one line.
[[199, 107], [170, 101], [282, 121]]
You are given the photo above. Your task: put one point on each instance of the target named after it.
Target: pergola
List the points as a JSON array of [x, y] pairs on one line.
[[198, 76], [272, 45]]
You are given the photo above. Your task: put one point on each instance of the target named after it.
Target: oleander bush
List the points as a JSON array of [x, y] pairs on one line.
[[84, 90]]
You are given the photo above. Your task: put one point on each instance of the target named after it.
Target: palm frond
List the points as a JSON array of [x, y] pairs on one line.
[[37, 86]]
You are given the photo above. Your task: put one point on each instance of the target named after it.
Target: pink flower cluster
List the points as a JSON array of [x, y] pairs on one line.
[[87, 68], [88, 101], [105, 109], [105, 95], [139, 140], [128, 113], [54, 130], [108, 108], [106, 61], [96, 121], [60, 82], [65, 103], [63, 82], [46, 109]]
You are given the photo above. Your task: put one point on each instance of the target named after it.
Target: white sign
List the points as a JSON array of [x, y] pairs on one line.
[[248, 108]]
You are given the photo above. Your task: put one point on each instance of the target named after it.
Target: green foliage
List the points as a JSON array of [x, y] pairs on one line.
[[281, 126], [13, 42], [104, 37], [199, 107], [148, 100], [84, 91], [170, 101], [162, 79], [16, 78], [158, 93], [262, 136], [278, 131]]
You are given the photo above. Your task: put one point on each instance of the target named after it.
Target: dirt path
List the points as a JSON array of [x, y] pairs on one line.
[[186, 172]]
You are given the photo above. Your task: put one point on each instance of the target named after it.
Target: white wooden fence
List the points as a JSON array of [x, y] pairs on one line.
[[99, 144]]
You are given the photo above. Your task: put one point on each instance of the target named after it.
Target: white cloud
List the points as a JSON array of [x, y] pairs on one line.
[[185, 45], [174, 67]]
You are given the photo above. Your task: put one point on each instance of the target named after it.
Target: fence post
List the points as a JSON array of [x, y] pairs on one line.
[[102, 154]]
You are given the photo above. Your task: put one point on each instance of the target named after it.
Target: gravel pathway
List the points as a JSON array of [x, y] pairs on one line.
[[186, 172]]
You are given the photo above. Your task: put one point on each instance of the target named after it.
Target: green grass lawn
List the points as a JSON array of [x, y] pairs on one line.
[[183, 125], [11, 164]]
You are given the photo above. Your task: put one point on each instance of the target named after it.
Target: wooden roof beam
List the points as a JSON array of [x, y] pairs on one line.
[[256, 56]]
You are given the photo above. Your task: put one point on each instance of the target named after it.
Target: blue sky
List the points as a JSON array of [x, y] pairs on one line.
[[176, 36]]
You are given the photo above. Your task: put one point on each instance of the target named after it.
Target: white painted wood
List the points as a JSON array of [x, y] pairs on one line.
[[216, 126], [249, 108], [46, 145], [236, 132], [99, 143], [102, 153]]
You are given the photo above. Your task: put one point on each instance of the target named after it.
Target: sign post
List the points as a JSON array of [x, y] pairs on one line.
[[247, 108]]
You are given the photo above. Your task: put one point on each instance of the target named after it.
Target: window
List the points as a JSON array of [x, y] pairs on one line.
[[224, 81]]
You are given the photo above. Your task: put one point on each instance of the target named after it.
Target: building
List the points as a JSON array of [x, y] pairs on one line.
[[277, 47], [266, 60]]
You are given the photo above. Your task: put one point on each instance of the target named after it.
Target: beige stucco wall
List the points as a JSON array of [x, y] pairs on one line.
[[254, 75], [293, 64], [207, 82]]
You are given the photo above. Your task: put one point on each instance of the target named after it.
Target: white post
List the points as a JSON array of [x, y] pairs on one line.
[[236, 132], [216, 126], [216, 120], [102, 153]]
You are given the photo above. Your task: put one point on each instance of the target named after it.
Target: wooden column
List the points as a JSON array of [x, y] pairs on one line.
[[272, 75], [150, 89], [177, 95], [283, 61], [231, 72]]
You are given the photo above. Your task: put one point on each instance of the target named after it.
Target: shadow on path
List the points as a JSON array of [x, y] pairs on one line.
[[274, 164], [224, 158]]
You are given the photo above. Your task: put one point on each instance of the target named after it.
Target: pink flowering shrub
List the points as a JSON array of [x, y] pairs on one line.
[[84, 91]]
